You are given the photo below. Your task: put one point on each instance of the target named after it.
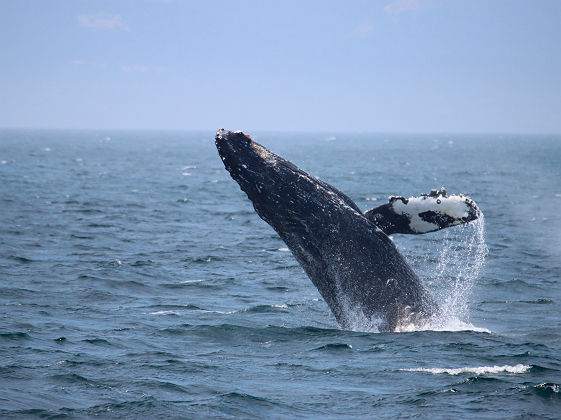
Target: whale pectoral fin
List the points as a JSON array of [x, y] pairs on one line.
[[423, 214], [388, 221]]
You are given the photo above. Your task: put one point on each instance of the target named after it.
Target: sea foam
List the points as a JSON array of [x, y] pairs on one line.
[[478, 370]]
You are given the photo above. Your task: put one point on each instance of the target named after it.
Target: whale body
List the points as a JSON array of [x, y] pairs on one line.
[[355, 266]]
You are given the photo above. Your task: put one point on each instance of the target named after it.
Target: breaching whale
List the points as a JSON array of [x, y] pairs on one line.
[[347, 254]]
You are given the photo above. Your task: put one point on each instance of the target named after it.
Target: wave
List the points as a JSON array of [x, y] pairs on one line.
[[15, 335], [548, 389], [446, 324], [194, 283], [164, 313], [440, 323], [478, 370], [22, 260], [261, 309], [173, 309], [335, 347]]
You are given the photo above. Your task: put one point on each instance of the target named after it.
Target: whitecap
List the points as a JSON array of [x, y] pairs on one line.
[[477, 370], [448, 324], [258, 308], [164, 313]]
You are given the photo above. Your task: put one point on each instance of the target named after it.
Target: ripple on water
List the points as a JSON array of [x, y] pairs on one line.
[[258, 309], [22, 260], [334, 347], [98, 342], [239, 404], [14, 336]]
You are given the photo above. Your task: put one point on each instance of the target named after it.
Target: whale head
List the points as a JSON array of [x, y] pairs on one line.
[[250, 164], [269, 180]]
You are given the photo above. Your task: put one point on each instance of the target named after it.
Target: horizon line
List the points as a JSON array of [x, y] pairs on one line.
[[294, 131]]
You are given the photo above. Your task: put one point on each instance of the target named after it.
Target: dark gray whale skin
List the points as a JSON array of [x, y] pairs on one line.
[[353, 264]]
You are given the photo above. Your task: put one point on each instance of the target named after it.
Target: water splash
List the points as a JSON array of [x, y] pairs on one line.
[[460, 260], [462, 256]]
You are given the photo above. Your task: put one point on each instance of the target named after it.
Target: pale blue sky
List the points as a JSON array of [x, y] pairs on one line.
[[380, 66]]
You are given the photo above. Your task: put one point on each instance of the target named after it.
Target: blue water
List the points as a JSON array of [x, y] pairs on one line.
[[136, 281]]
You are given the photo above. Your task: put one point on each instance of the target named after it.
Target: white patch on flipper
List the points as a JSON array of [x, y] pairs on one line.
[[454, 206]]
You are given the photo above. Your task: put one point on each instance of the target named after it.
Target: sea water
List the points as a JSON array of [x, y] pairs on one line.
[[136, 281]]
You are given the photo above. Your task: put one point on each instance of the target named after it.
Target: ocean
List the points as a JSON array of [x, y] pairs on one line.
[[137, 281]]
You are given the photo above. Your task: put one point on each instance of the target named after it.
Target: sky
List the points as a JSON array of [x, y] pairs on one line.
[[411, 66]]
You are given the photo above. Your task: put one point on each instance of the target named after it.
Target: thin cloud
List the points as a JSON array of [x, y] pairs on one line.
[[402, 6], [94, 64], [102, 21], [363, 31], [125, 68], [141, 68]]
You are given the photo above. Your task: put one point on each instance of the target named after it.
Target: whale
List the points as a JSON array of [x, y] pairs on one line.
[[347, 254]]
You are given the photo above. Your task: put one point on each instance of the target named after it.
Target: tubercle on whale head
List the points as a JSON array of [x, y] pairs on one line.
[[248, 162], [228, 142], [238, 140]]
